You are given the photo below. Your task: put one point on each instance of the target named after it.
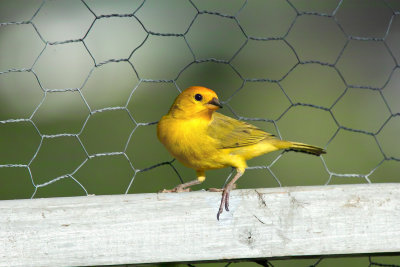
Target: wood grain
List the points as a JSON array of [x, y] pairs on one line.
[[182, 227]]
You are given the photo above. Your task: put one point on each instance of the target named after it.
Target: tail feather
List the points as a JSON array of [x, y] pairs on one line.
[[300, 147], [304, 148]]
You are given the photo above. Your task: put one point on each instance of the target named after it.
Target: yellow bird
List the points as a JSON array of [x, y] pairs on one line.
[[203, 139]]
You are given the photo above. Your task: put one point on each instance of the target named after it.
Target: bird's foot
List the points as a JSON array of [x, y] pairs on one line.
[[177, 189], [219, 189], [225, 199], [215, 189], [224, 202]]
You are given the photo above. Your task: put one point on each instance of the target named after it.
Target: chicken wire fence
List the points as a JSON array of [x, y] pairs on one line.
[[83, 83]]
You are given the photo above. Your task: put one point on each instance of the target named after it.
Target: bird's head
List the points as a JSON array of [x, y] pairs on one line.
[[195, 101]]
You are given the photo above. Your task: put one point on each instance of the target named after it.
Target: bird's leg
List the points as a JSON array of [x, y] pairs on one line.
[[226, 191], [186, 186]]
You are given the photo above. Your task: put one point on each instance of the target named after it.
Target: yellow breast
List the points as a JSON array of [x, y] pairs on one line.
[[187, 141]]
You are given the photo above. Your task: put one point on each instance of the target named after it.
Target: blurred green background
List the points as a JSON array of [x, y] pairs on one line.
[[78, 82]]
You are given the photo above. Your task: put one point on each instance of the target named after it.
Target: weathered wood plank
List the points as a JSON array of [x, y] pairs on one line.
[[146, 228]]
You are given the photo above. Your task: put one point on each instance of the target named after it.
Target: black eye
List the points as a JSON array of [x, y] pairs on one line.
[[198, 97]]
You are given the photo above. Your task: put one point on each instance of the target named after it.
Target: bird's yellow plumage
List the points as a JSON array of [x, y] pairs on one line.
[[203, 139]]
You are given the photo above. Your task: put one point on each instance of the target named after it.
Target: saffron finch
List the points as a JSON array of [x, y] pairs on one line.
[[203, 139]]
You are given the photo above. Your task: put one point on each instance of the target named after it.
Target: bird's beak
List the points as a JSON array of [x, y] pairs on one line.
[[214, 103]]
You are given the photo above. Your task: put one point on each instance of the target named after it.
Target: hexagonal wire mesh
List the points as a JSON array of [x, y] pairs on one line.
[[83, 83]]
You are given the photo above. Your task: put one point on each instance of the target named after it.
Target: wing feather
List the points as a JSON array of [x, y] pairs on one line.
[[232, 133]]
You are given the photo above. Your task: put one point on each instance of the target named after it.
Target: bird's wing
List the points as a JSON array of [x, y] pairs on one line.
[[232, 133]]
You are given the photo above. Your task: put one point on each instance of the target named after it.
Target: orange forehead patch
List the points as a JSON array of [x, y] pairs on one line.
[[199, 89]]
